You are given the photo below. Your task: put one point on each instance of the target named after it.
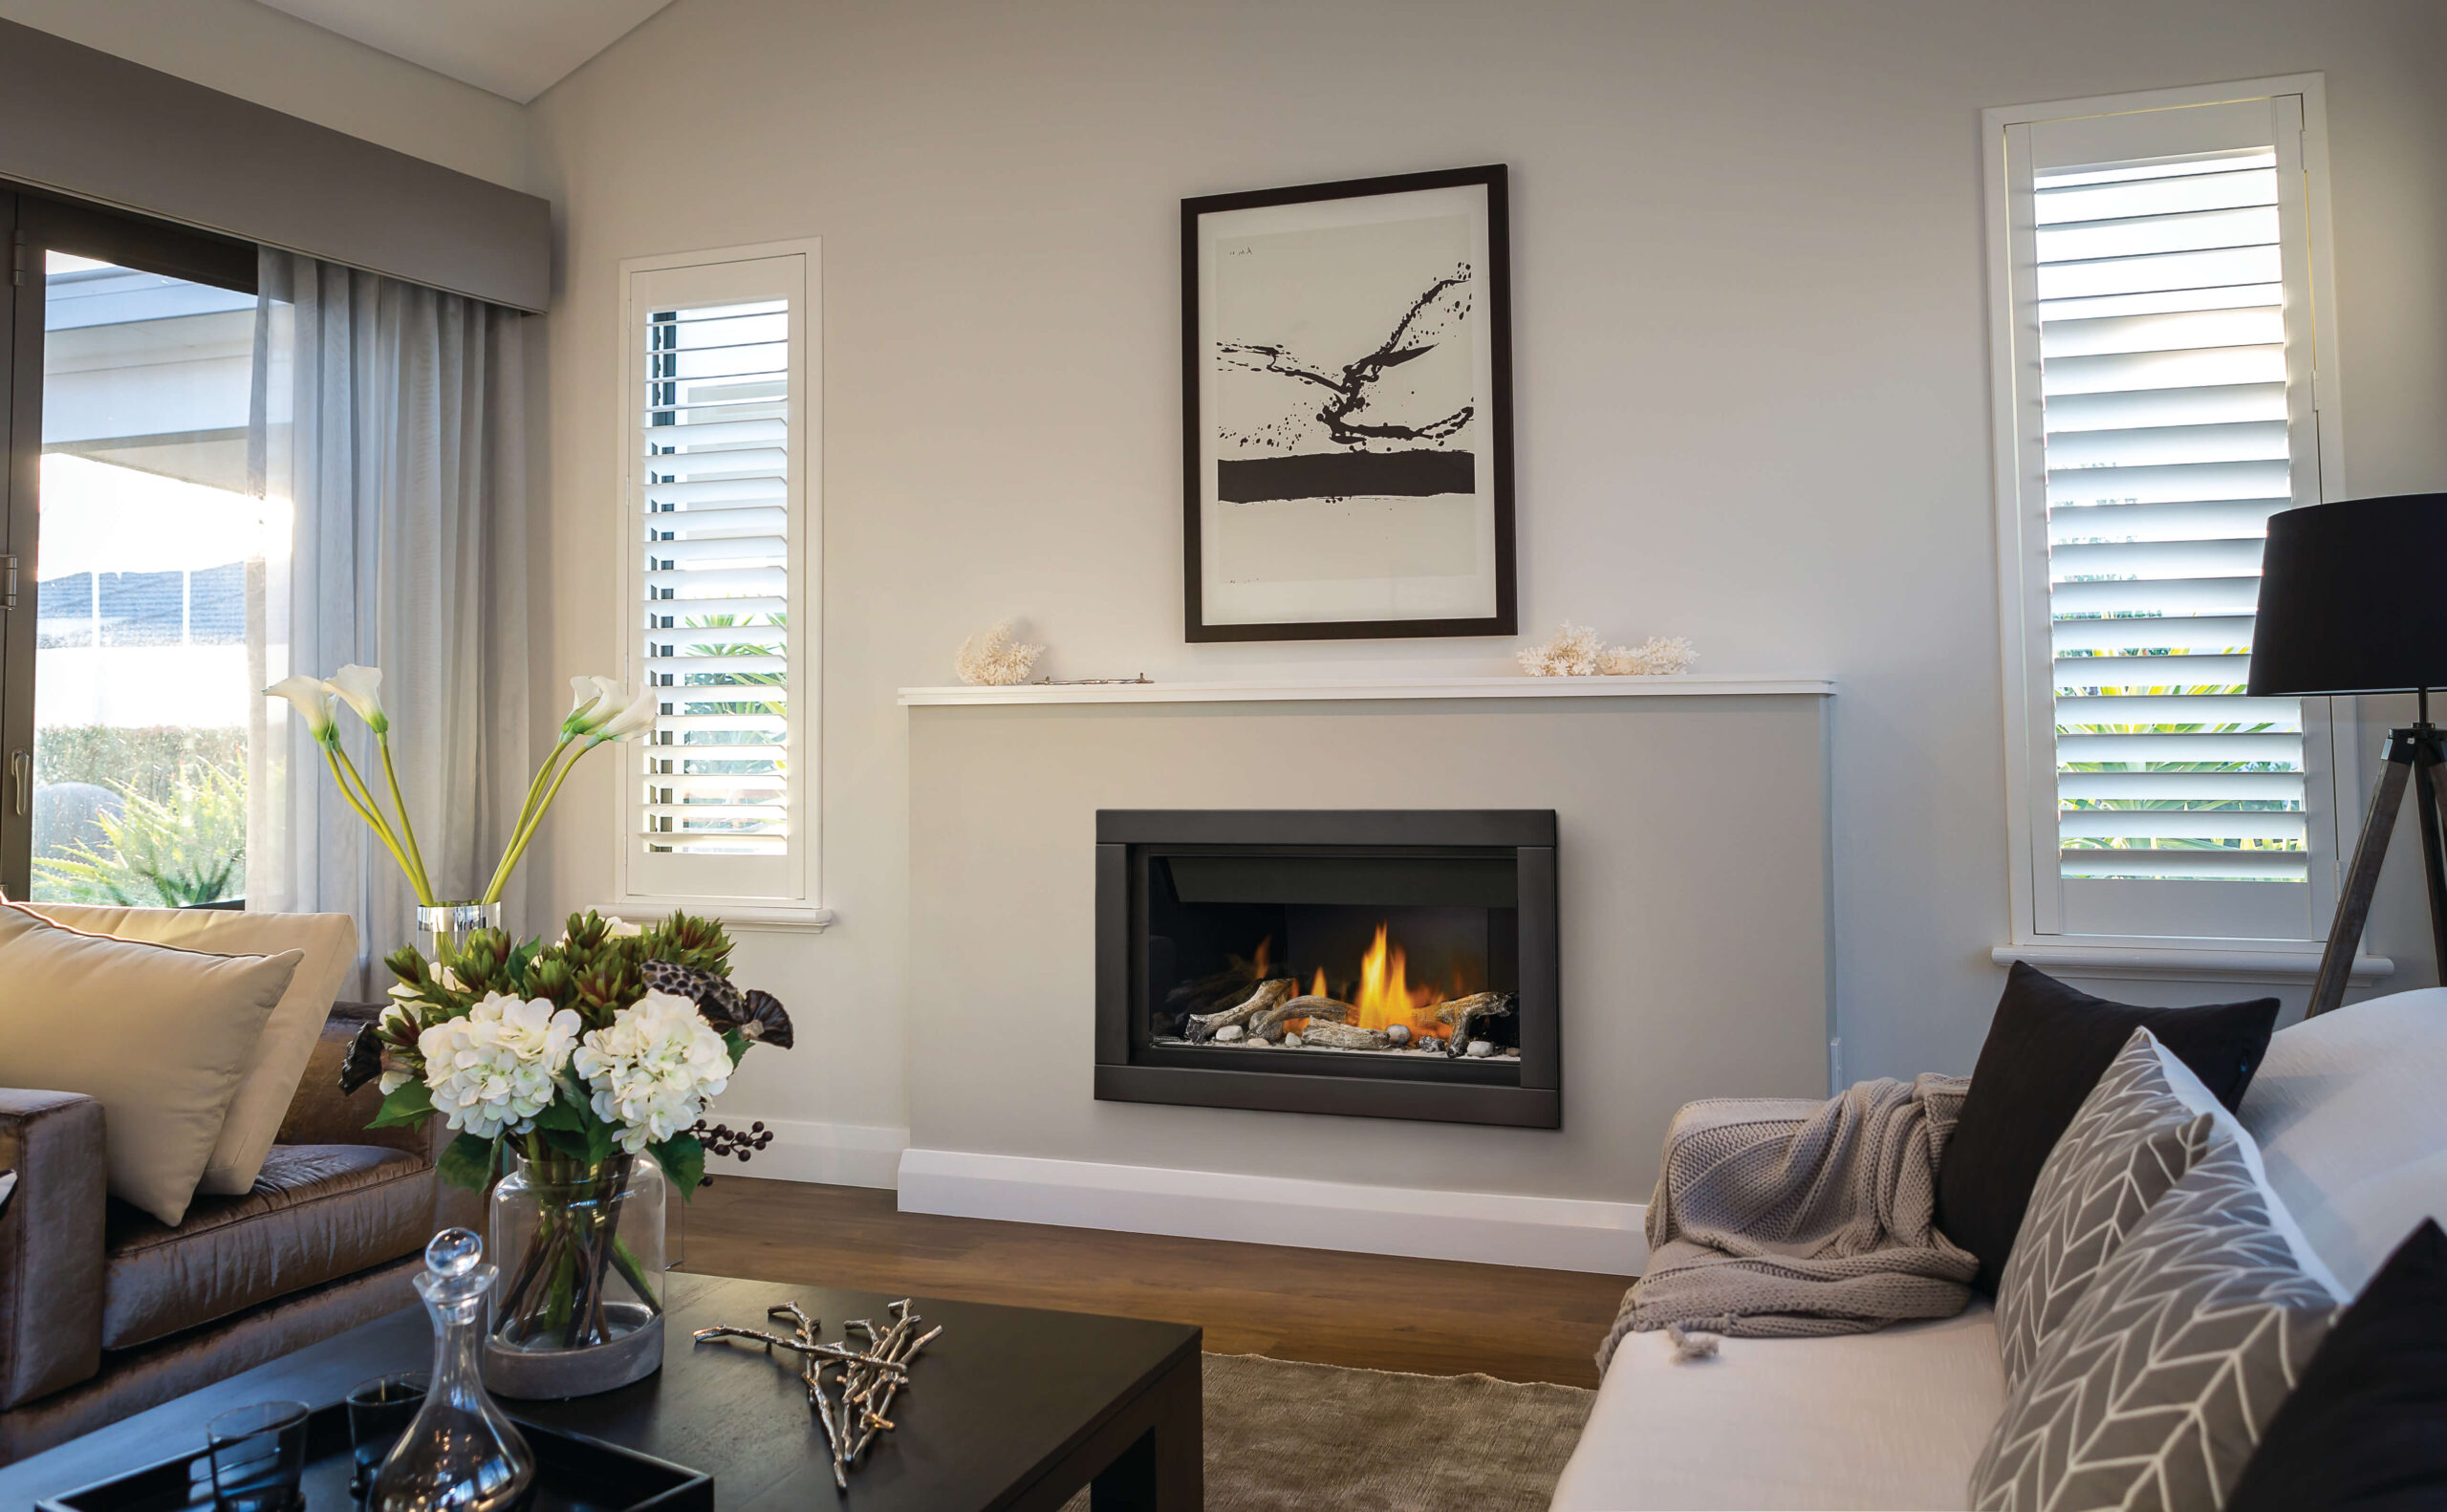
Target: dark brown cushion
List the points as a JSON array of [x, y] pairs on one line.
[[317, 1213], [2046, 1047]]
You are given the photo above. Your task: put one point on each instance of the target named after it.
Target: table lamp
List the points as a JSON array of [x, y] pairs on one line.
[[2354, 599]]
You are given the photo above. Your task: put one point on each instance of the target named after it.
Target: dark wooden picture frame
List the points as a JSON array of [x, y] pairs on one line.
[[1421, 471]]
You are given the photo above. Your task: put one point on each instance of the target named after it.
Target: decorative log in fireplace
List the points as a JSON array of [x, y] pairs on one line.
[[1385, 963]]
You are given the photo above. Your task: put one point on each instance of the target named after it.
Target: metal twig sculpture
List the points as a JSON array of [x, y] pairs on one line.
[[853, 1409]]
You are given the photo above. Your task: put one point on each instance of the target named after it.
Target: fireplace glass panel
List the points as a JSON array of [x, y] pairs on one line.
[[1409, 956]]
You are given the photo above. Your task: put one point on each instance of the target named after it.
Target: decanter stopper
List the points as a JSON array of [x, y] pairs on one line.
[[461, 1454], [454, 1252]]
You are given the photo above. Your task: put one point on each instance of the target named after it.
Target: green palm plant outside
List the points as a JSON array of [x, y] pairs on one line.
[[707, 757], [2177, 805], [189, 850]]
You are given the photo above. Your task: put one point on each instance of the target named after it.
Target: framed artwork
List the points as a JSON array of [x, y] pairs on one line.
[[1347, 409]]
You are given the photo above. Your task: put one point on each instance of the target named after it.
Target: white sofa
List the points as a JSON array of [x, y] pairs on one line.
[[2350, 1113]]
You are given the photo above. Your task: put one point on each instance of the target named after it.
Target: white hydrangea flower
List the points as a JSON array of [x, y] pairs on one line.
[[652, 1067], [493, 1070]]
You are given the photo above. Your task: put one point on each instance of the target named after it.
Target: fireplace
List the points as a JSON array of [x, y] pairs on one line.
[[1382, 964]]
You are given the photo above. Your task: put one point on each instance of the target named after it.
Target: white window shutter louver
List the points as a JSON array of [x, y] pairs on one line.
[[714, 491], [726, 601], [2164, 379], [2162, 342]]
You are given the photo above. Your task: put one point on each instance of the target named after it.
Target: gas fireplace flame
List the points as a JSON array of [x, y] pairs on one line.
[[1385, 997]]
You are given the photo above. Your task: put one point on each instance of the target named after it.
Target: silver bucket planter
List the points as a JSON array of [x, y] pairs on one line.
[[440, 927]]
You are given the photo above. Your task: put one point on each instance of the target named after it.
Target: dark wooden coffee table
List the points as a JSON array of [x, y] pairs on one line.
[[1012, 1407]]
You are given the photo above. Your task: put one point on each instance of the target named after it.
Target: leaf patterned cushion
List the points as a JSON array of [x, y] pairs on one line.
[[2153, 1392], [2136, 1135]]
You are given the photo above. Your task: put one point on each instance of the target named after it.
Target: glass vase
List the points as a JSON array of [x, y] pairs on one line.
[[458, 1454], [580, 1305], [441, 926]]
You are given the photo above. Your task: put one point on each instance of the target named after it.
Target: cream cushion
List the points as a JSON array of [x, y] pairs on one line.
[[1895, 1418], [270, 1076], [2351, 1121], [159, 1036]]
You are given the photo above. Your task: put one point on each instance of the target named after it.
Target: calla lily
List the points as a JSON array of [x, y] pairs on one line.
[[590, 714], [363, 688], [640, 714], [588, 699], [314, 698], [360, 688]]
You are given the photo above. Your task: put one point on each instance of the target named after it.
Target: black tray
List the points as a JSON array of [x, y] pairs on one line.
[[572, 1474]]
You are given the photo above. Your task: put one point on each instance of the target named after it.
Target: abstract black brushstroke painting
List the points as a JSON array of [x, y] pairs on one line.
[[1347, 410]]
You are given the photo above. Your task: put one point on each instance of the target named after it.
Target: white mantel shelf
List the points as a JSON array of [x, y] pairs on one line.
[[1684, 686]]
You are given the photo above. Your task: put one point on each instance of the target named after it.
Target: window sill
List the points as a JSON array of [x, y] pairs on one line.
[[764, 917], [2190, 960]]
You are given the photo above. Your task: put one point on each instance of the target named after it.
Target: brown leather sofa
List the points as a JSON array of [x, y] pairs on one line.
[[104, 1312]]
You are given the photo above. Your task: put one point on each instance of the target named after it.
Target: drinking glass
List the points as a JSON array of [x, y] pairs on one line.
[[378, 1410], [258, 1456]]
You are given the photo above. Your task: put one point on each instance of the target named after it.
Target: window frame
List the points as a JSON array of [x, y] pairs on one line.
[[797, 904], [2024, 610], [35, 223]]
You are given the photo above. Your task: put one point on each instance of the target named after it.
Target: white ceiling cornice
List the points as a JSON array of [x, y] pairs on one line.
[[516, 49]]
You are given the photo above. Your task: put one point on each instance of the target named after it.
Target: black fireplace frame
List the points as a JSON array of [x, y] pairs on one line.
[[1451, 1092]]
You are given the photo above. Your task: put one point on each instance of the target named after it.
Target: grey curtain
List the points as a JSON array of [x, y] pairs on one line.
[[391, 417]]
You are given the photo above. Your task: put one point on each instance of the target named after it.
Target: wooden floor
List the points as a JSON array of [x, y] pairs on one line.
[[1435, 1317]]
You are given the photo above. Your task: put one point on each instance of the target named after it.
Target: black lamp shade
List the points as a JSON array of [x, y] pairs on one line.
[[2354, 599]]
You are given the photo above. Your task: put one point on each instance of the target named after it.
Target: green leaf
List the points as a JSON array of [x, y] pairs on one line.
[[409, 1102], [737, 1044], [683, 1159], [467, 1161], [569, 1142], [522, 958], [561, 1113]]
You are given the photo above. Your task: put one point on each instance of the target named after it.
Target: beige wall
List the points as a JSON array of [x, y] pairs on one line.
[[265, 55], [1752, 348], [1691, 883]]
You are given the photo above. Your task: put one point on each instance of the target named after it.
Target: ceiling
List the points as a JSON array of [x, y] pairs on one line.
[[516, 49]]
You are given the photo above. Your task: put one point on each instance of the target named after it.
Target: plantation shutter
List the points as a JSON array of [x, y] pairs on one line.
[[2162, 290], [719, 811]]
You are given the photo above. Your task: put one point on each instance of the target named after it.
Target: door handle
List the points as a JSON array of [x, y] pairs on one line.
[[21, 776]]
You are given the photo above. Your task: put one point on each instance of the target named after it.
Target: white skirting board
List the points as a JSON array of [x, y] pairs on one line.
[[833, 1154], [1496, 1228]]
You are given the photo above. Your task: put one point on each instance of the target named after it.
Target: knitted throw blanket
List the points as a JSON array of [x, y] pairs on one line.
[[1777, 1218]]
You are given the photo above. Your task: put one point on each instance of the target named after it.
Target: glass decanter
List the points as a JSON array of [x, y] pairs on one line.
[[461, 1454]]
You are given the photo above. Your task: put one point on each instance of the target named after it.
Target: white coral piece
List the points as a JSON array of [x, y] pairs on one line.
[[1573, 653], [652, 1067], [493, 1069], [1658, 656], [991, 658]]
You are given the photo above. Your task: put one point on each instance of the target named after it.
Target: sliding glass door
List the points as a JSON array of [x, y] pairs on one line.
[[135, 641]]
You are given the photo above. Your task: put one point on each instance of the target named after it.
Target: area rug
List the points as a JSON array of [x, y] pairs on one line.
[[1281, 1434]]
